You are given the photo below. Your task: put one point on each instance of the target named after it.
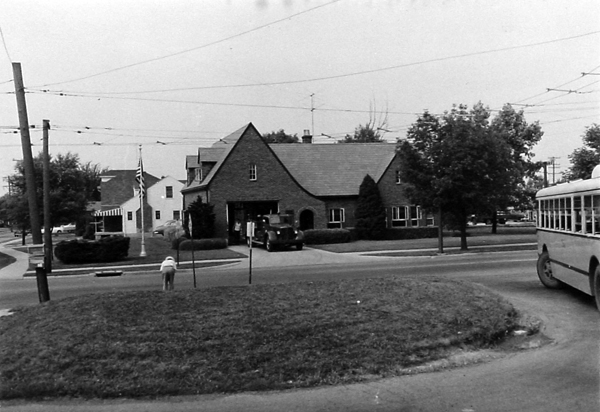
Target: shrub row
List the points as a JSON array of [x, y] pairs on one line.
[[199, 244], [108, 249], [326, 236]]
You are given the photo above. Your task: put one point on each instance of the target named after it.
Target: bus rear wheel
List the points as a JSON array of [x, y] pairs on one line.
[[544, 271], [596, 290]]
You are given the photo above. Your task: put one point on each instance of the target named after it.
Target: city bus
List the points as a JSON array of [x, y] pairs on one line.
[[568, 235]]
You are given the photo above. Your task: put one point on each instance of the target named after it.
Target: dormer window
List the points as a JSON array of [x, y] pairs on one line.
[[198, 174], [252, 171]]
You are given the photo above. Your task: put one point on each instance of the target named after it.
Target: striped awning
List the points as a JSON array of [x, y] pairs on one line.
[[111, 212]]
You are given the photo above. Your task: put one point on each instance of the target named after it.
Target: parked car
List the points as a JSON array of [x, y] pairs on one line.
[[18, 233], [167, 226], [276, 230], [57, 230]]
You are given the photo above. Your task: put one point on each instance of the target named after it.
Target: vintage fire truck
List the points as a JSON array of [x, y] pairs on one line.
[[274, 230]]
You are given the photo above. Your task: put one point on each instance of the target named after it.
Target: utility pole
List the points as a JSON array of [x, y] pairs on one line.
[[47, 212], [312, 114], [554, 166], [34, 215]]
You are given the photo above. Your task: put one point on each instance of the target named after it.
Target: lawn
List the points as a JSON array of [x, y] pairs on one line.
[[156, 247], [231, 339]]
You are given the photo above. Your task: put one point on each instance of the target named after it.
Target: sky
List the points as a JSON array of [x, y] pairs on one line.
[[112, 76]]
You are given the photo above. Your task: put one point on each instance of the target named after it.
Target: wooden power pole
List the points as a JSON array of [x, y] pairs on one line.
[[47, 212], [34, 215]]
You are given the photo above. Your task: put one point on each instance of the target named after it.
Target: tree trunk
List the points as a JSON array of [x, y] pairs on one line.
[[495, 222], [463, 235]]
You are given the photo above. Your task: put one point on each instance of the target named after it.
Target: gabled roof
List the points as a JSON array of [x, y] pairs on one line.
[[335, 169], [118, 186], [217, 153], [322, 170]]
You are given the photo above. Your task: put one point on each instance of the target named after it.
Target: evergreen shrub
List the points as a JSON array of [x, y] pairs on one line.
[[326, 236], [108, 249]]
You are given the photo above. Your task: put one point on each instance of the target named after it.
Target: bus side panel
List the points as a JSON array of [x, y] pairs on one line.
[[570, 256]]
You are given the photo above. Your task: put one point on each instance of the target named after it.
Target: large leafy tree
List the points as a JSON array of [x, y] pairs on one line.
[[584, 159], [280, 137], [370, 212], [72, 187], [511, 127], [454, 163]]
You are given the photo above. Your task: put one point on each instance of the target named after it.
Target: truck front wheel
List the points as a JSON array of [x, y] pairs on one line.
[[268, 244]]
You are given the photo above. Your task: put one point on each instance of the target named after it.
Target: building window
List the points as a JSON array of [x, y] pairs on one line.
[[429, 219], [157, 214], [176, 215], [415, 215], [399, 216], [252, 172], [398, 179], [169, 192], [336, 218], [129, 215], [198, 174]]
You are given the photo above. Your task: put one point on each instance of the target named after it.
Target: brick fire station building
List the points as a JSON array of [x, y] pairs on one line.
[[242, 176]]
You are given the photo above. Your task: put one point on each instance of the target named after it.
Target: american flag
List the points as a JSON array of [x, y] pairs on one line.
[[139, 177]]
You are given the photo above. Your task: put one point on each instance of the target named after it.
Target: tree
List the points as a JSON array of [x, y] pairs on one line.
[[453, 163], [371, 132], [203, 219], [584, 159], [72, 186], [280, 137], [370, 212], [511, 127]]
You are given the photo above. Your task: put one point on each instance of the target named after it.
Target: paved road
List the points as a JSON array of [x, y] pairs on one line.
[[562, 376]]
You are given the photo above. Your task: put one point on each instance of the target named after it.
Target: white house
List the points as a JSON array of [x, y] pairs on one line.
[[120, 206]]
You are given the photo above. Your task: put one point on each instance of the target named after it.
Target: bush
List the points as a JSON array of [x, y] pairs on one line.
[[177, 241], [108, 249], [326, 236], [202, 244]]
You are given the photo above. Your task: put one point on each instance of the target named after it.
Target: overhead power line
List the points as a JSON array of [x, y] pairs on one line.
[[338, 76], [193, 48]]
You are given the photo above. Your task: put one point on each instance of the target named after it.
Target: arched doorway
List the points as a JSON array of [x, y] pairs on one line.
[[307, 219]]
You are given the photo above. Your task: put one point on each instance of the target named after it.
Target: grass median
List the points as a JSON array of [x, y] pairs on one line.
[[232, 339]]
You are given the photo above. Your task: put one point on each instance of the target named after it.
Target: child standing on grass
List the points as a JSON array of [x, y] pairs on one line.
[[168, 268]]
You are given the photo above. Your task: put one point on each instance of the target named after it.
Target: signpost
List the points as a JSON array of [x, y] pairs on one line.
[[250, 234]]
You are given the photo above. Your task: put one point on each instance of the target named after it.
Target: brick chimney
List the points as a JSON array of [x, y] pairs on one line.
[[307, 137]]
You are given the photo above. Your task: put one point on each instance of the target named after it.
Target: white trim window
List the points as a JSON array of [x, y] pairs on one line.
[[398, 178], [252, 173], [399, 216], [415, 215], [198, 174], [337, 216]]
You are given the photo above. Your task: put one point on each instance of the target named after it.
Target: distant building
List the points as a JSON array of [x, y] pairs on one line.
[[120, 204], [243, 176]]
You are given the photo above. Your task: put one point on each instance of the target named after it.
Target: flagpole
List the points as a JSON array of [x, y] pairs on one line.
[[142, 194]]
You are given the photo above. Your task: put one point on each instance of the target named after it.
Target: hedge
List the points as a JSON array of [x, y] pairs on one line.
[[326, 236], [202, 244], [108, 249]]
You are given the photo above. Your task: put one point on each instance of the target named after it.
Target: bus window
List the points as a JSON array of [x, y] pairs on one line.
[[596, 214], [577, 213], [587, 214], [562, 213], [569, 218]]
